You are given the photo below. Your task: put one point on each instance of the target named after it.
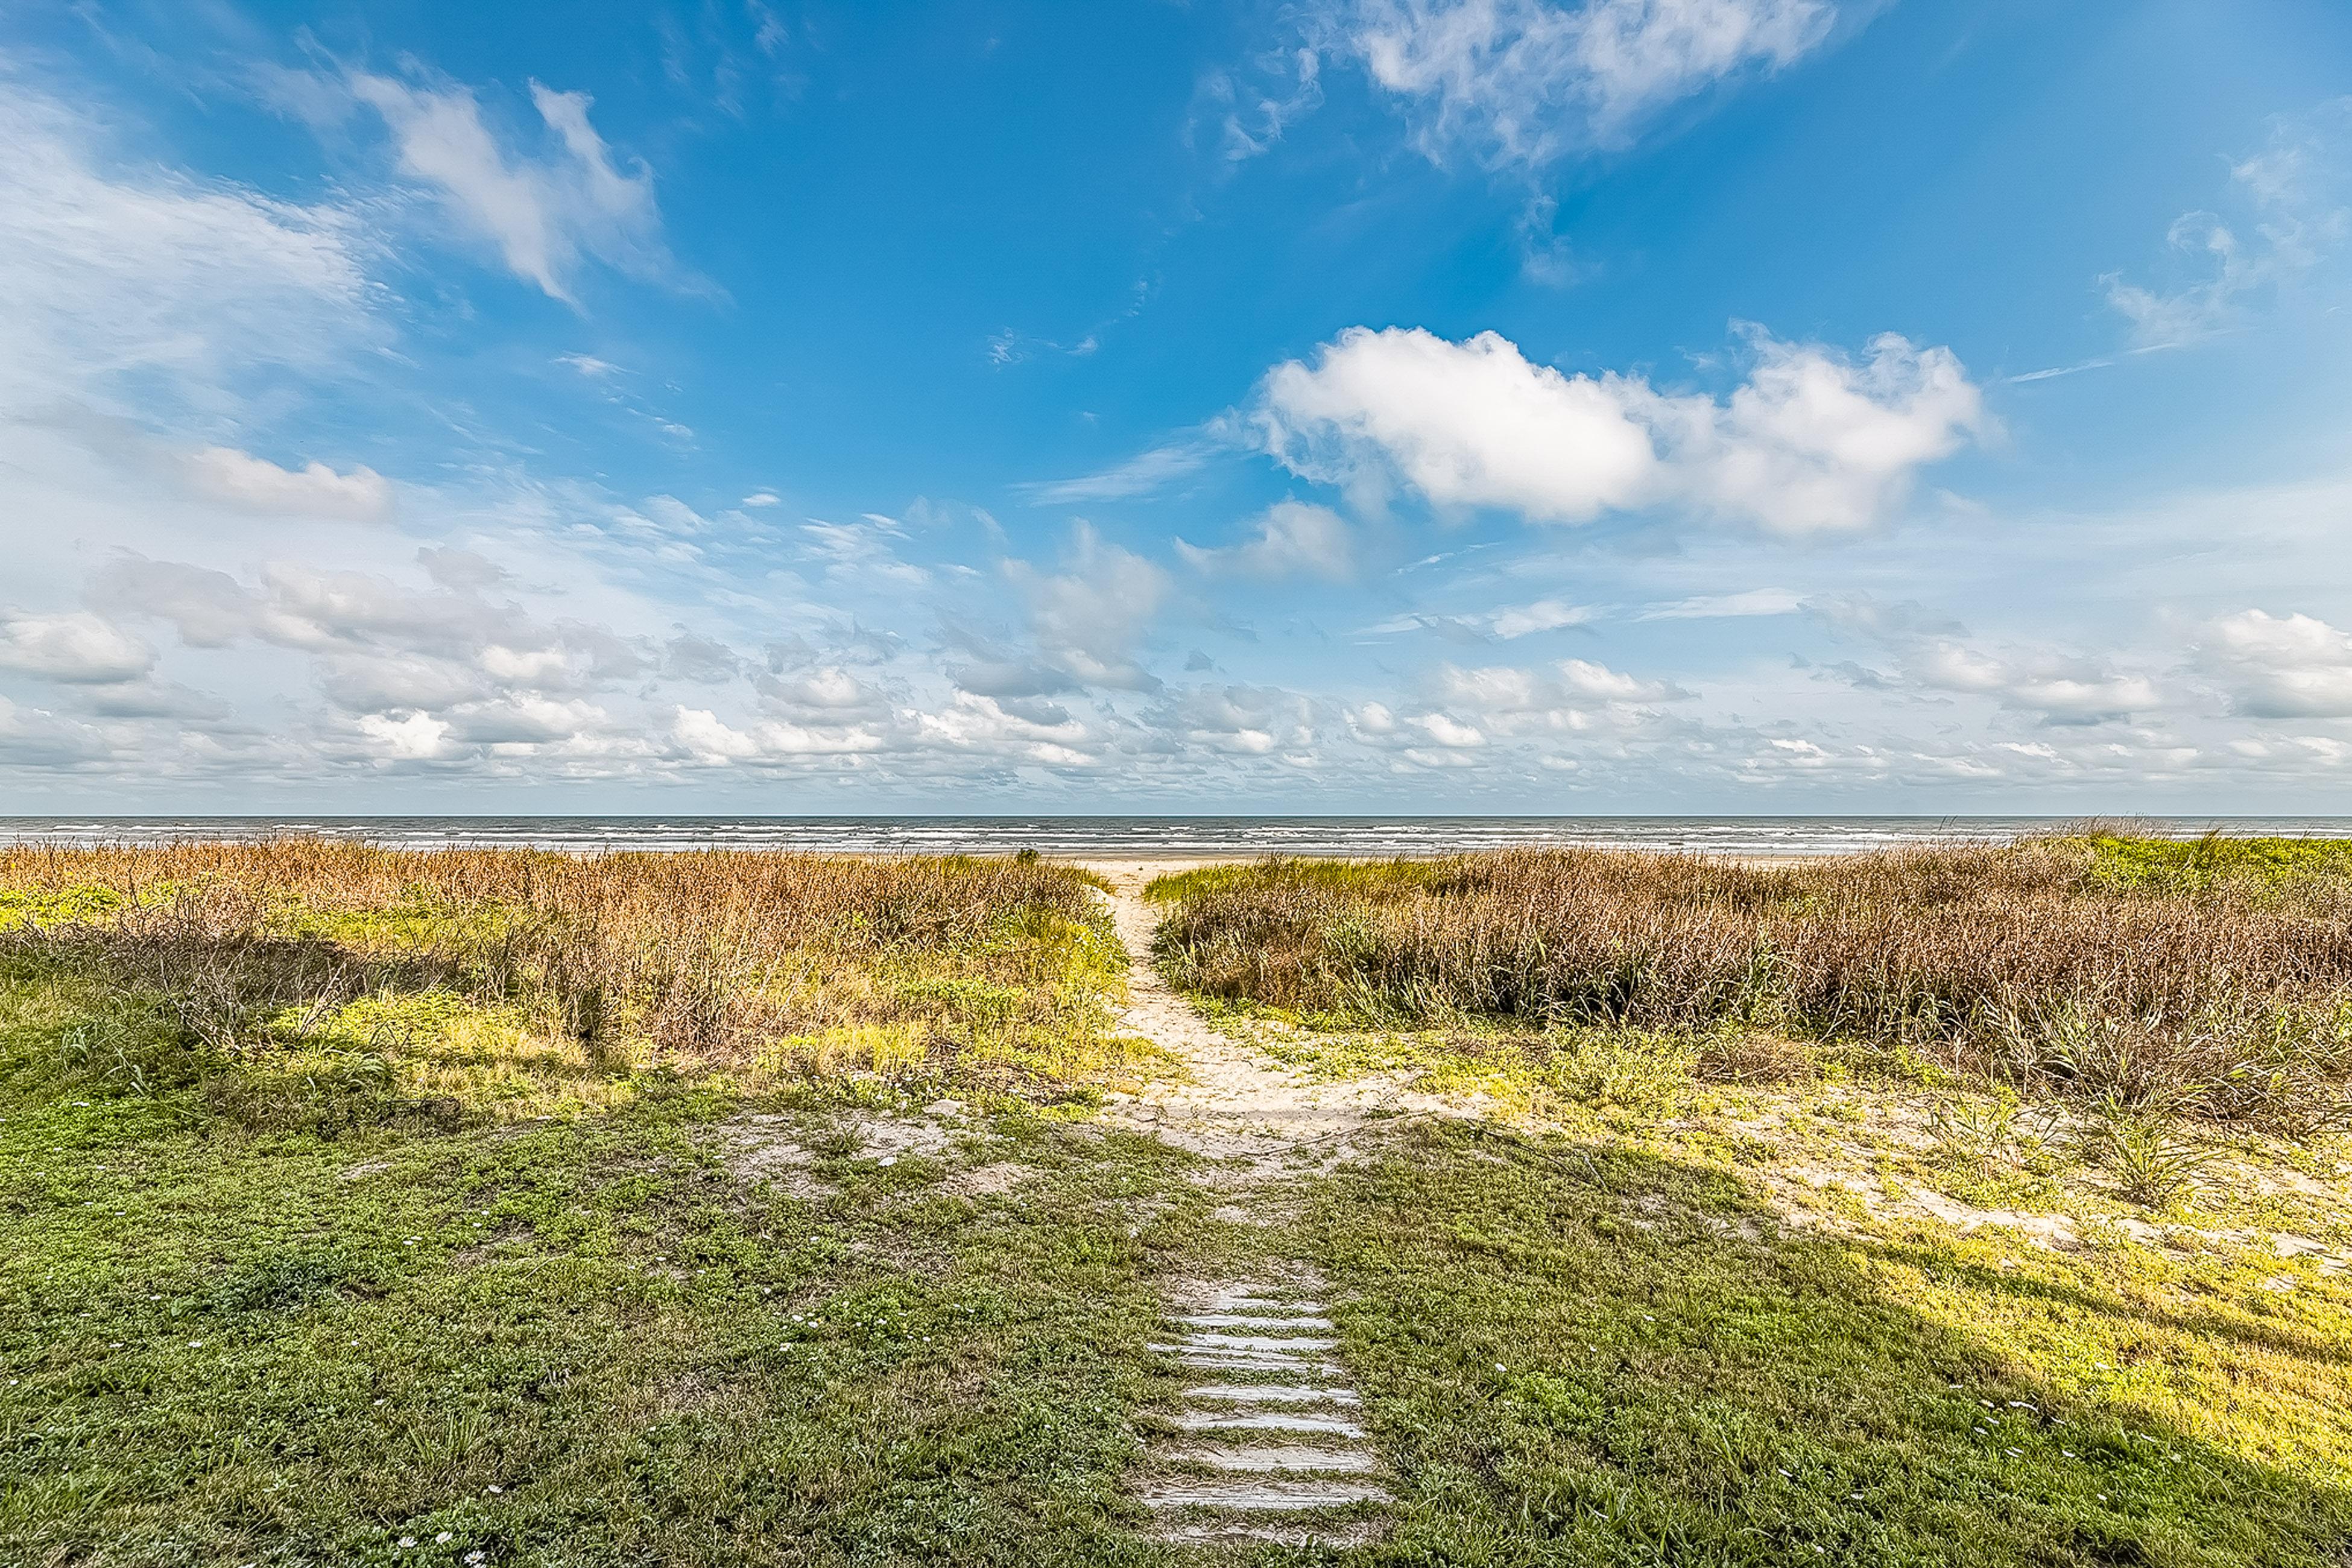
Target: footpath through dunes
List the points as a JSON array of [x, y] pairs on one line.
[[1237, 1104], [1267, 1443]]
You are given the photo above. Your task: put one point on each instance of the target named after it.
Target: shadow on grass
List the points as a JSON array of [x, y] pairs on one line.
[[1585, 1356]]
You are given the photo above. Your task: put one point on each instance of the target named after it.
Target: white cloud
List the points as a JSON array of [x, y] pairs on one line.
[[254, 484], [414, 737], [2295, 190], [2278, 666], [1933, 654], [542, 214], [76, 647], [111, 272], [973, 722], [1812, 442], [1543, 616], [713, 740], [1254, 116], [1470, 423], [1294, 539], [1145, 473], [1088, 618], [1498, 690], [1524, 81], [1724, 606], [1243, 721]]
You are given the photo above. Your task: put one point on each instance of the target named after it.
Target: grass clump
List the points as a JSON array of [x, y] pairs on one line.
[[2040, 964]]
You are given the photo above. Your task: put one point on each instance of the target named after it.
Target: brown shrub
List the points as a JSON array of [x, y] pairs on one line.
[[2014, 960], [702, 955]]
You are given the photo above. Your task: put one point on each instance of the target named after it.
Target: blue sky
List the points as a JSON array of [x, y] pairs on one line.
[[1437, 406]]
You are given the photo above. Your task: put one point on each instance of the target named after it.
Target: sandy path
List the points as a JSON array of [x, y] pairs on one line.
[[1239, 1104]]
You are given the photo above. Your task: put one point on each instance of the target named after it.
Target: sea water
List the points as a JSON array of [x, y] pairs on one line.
[[1138, 835]]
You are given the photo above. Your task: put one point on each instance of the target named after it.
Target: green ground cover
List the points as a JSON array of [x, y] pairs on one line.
[[607, 1337], [1593, 1352]]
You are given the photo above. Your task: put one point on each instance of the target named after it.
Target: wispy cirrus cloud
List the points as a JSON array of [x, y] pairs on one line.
[[2294, 192], [1148, 472], [1522, 82], [544, 205], [114, 269]]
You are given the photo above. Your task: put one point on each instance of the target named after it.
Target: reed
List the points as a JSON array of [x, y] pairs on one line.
[[2080, 965]]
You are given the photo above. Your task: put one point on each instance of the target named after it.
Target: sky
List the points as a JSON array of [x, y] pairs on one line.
[[1434, 407]]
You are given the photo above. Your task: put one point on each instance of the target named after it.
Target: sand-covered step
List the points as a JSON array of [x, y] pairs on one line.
[[1217, 1340], [1267, 1323], [1257, 1300], [1266, 1421], [1273, 1419], [1290, 1459], [1212, 1358], [1254, 1496], [1271, 1393]]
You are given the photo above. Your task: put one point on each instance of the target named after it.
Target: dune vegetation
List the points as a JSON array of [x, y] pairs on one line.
[[2210, 979], [452, 1207], [1985, 1207], [1978, 1205], [341, 981]]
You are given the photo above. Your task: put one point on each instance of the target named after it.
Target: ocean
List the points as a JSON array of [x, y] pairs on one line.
[[1138, 835]]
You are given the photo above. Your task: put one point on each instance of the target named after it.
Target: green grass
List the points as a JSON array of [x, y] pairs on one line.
[[584, 1338], [1368, 878], [2170, 865], [1580, 1350]]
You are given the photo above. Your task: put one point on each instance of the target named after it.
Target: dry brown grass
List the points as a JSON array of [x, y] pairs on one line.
[[2025, 962], [693, 961]]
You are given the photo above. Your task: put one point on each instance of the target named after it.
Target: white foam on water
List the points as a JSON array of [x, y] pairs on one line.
[[1237, 837]]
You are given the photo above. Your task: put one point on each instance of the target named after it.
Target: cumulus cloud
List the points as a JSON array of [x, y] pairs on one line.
[[1524, 81], [1237, 719], [252, 484], [77, 649], [1565, 684], [711, 740], [2279, 667], [1513, 621], [1812, 442], [1294, 539], [541, 212]]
